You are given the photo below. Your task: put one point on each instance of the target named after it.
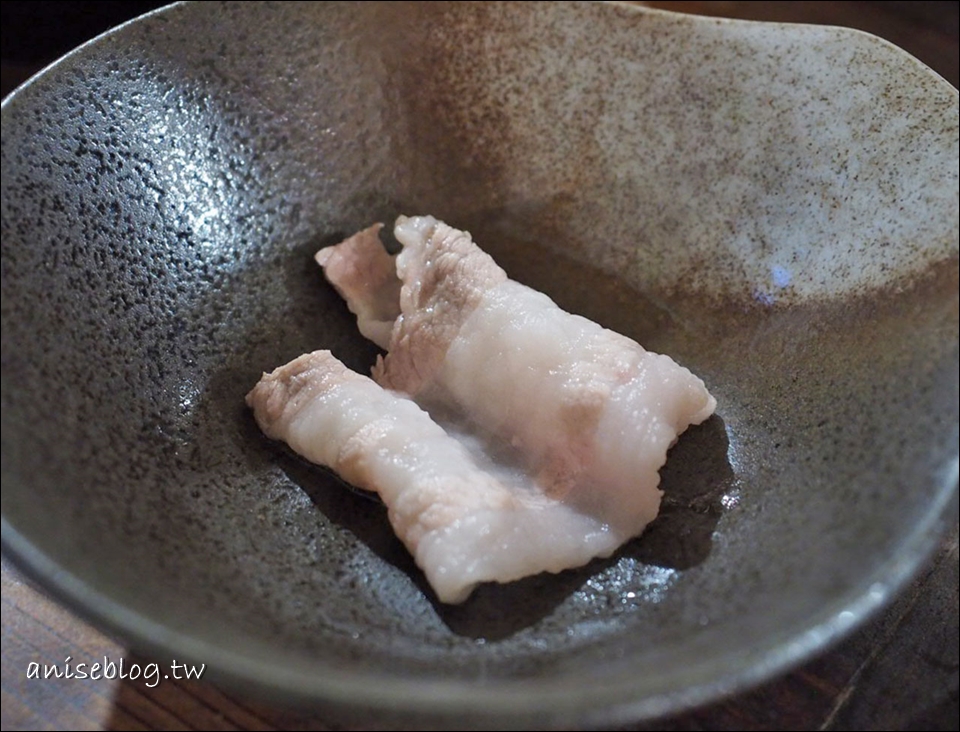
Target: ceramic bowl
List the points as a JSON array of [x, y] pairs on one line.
[[775, 206]]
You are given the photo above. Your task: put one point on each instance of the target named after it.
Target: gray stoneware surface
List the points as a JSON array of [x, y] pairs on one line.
[[774, 206]]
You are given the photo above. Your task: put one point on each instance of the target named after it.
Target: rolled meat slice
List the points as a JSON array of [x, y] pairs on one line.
[[366, 277], [591, 413], [463, 524]]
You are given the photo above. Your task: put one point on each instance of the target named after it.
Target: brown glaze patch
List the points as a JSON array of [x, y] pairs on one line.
[[768, 162]]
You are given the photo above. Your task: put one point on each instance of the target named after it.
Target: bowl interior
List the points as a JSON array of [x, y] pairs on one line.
[[774, 206]]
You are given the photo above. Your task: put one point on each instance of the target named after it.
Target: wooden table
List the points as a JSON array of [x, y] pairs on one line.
[[900, 671]]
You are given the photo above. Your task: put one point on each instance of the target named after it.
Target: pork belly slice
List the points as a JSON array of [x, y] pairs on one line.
[[591, 411], [463, 524], [366, 277]]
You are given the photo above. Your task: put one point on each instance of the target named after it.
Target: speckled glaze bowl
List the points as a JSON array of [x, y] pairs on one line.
[[775, 206]]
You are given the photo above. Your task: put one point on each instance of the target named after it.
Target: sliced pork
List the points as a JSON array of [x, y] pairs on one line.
[[591, 412], [463, 524], [506, 436]]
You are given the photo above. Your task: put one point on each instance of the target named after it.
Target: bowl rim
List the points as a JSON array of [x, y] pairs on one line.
[[522, 702]]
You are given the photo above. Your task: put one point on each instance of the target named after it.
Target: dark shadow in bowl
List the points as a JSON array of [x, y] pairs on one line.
[[695, 481], [349, 508]]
